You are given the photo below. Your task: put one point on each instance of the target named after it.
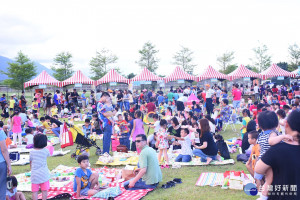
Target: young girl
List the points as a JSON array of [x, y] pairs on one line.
[[169, 112], [161, 107], [29, 136], [162, 143], [156, 125], [39, 169], [11, 191], [16, 127], [87, 128], [246, 119], [138, 128], [143, 107], [282, 120], [212, 124], [124, 131]]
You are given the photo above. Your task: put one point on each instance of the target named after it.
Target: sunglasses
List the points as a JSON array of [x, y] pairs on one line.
[[138, 141]]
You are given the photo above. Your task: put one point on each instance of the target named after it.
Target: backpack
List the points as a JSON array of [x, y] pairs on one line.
[[222, 148]]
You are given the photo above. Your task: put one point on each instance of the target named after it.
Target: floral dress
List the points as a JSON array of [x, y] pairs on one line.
[[162, 139]]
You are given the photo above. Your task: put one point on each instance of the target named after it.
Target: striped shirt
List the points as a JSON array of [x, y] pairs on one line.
[[39, 168], [263, 141]]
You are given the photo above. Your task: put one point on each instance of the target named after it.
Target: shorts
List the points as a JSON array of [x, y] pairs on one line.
[[84, 192], [34, 111], [12, 198], [11, 109], [236, 104], [44, 186], [180, 106]]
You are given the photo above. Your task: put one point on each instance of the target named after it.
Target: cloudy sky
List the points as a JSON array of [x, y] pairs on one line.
[[41, 29]]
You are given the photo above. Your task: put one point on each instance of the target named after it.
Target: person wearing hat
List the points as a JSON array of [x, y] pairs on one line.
[[209, 103]]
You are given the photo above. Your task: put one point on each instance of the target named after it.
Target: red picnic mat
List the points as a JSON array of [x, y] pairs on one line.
[[126, 194]]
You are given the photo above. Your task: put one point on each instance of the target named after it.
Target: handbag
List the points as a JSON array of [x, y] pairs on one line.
[[122, 148], [127, 174]]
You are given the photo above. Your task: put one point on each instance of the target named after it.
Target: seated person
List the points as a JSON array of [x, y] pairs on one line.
[[87, 128], [85, 182], [151, 140], [185, 142], [149, 173], [12, 193], [252, 138], [45, 125], [55, 127], [29, 136]]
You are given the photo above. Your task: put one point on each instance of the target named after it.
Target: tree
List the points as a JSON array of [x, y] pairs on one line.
[[184, 59], [20, 71], [148, 57], [229, 69], [131, 75], [283, 65], [261, 60], [254, 69], [63, 68], [225, 59], [100, 63], [294, 52]]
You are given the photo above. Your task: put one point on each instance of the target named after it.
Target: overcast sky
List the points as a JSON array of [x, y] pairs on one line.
[[42, 29]]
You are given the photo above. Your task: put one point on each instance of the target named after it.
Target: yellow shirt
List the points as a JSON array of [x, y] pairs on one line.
[[46, 125], [54, 111], [35, 105], [11, 103], [245, 123]]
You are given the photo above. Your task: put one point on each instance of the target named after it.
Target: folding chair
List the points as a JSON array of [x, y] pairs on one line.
[[231, 123]]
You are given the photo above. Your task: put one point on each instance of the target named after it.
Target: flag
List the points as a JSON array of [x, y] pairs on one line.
[[66, 137]]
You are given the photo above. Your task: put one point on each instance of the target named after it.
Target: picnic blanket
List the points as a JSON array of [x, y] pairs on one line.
[[214, 179], [118, 159], [197, 162], [66, 187]]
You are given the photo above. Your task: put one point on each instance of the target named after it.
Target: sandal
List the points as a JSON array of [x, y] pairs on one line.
[[166, 166], [177, 180]]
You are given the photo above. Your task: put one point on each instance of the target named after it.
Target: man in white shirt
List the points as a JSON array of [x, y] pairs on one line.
[[209, 103], [256, 91]]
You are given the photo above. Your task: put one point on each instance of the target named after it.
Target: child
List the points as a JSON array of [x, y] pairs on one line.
[[138, 128], [246, 119], [5, 112], [39, 169], [87, 128], [11, 191], [72, 106], [156, 125], [85, 182], [290, 96], [45, 124], [186, 152], [162, 142], [282, 120], [124, 131], [252, 139], [96, 125], [53, 109], [132, 108], [11, 105], [35, 106], [29, 136], [108, 108], [143, 107], [161, 107], [169, 112], [16, 127]]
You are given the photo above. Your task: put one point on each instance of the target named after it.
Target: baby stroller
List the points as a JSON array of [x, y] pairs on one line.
[[83, 143]]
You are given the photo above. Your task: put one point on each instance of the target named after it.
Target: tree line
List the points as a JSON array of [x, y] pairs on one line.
[[23, 69]]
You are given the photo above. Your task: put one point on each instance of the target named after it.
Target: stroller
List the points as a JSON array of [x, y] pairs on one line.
[[83, 143]]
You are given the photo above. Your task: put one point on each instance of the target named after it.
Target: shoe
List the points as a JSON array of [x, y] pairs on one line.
[[162, 166], [167, 166], [177, 180]]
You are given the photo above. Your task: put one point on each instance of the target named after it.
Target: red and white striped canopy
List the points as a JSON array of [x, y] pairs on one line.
[[43, 79], [112, 76], [179, 74], [210, 72], [146, 75], [242, 72], [78, 77], [275, 71]]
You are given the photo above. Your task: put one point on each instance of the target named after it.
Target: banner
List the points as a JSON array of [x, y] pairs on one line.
[[180, 81], [214, 80], [113, 83], [136, 83], [78, 85], [246, 78], [147, 82], [280, 78], [42, 86], [161, 83]]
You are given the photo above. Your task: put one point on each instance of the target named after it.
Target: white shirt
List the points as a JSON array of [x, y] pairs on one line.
[[209, 93], [29, 138], [212, 127], [156, 126], [256, 88], [186, 146], [182, 99]]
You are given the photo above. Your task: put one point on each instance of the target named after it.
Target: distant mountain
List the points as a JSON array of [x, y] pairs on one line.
[[4, 65]]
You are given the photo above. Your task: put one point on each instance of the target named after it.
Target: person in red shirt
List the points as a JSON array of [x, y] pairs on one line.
[[274, 89], [237, 95], [150, 106], [253, 107]]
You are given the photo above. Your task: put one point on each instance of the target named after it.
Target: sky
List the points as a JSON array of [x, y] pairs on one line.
[[42, 29]]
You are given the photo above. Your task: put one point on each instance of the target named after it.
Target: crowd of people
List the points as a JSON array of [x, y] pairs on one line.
[[269, 117]]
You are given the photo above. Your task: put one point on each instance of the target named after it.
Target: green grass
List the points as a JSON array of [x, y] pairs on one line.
[[188, 174]]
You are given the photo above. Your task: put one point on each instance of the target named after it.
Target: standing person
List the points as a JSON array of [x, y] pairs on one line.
[[11, 105], [261, 91], [160, 99], [138, 128], [209, 103], [256, 92], [38, 96], [237, 96], [83, 99], [114, 99], [106, 123], [68, 98], [93, 98], [39, 169], [4, 163], [130, 98], [56, 99], [74, 96], [120, 100], [3, 101], [181, 102], [98, 95], [218, 95], [23, 102], [48, 103], [126, 100], [16, 127], [170, 96], [162, 142]]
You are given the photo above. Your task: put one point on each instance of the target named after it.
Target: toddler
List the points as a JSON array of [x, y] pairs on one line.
[[11, 191], [162, 142]]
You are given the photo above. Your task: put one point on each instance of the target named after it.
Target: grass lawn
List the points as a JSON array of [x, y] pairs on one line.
[[188, 174]]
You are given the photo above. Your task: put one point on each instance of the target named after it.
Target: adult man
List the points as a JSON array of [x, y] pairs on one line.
[[160, 99], [106, 124], [56, 99], [209, 103], [149, 95], [256, 91], [55, 124], [170, 96], [149, 173], [3, 101], [98, 95], [74, 96], [150, 106], [261, 91], [120, 100], [68, 98], [237, 95]]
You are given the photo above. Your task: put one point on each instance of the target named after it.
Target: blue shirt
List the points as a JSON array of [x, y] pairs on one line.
[[176, 96], [83, 96], [160, 99], [3, 100], [84, 177], [56, 101], [2, 138], [101, 117]]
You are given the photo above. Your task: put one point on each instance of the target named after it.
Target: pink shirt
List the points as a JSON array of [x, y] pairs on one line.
[[16, 127], [237, 94], [38, 96]]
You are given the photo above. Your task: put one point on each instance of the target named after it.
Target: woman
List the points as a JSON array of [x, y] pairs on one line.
[[48, 103], [174, 129], [4, 163], [126, 100], [212, 124], [283, 158], [181, 102], [23, 102], [207, 150], [120, 100], [92, 98], [251, 126]]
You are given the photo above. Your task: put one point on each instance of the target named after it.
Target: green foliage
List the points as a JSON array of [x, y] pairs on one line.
[[261, 60], [100, 63], [20, 71], [229, 69], [63, 67], [131, 75], [283, 65], [184, 59], [148, 57], [252, 68], [294, 52], [225, 59]]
